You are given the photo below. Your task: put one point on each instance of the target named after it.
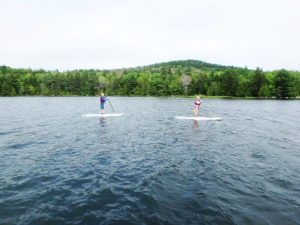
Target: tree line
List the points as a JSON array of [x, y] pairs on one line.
[[187, 77]]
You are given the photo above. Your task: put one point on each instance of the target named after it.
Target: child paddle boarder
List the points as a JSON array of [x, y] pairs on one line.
[[197, 104], [102, 101]]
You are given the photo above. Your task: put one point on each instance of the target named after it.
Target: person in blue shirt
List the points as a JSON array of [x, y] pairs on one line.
[[102, 101]]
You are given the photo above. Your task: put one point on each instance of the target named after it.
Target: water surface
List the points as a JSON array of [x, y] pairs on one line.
[[147, 167]]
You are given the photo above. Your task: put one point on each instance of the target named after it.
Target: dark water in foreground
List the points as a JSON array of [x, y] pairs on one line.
[[57, 167]]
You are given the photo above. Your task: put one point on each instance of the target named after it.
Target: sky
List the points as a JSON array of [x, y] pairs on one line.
[[112, 34]]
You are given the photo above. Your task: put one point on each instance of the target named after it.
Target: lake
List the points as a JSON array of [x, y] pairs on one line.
[[57, 167]]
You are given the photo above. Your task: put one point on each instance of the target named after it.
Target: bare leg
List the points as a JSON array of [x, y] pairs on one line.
[[102, 111], [196, 112]]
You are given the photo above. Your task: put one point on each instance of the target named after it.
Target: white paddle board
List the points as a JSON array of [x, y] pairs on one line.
[[197, 118], [100, 115]]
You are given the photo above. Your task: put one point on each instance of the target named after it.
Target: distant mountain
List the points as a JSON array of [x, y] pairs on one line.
[[197, 64]]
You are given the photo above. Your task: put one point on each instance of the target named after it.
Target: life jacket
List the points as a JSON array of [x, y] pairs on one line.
[[102, 99], [197, 102]]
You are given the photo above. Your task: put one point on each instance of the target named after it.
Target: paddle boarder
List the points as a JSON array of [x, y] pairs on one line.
[[197, 104], [102, 101]]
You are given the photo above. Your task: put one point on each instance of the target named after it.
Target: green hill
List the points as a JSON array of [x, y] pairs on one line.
[[197, 64], [185, 77]]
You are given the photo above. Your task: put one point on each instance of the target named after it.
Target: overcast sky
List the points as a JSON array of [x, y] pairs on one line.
[[111, 34]]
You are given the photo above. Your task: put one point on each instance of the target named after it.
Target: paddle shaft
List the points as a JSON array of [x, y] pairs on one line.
[[111, 106]]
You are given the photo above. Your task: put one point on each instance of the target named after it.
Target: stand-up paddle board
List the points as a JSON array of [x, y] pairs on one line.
[[100, 115], [197, 118]]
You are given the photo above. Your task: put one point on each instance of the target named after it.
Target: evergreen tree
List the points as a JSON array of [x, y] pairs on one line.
[[257, 81], [202, 78], [229, 82], [5, 89], [242, 86], [132, 83], [284, 85], [264, 91]]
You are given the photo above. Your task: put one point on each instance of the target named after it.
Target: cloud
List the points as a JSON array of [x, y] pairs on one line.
[[69, 35]]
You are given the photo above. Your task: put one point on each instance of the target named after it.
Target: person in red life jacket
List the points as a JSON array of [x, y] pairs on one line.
[[102, 101], [196, 106]]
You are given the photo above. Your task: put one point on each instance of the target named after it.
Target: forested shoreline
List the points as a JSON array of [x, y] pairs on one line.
[[188, 77]]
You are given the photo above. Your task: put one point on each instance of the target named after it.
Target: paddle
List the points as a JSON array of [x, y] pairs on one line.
[[111, 106]]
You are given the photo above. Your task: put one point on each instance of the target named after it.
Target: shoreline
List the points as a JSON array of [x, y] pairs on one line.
[[168, 96]]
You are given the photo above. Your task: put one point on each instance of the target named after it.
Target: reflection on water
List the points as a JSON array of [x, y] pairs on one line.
[[196, 127], [195, 124], [102, 121], [147, 167]]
